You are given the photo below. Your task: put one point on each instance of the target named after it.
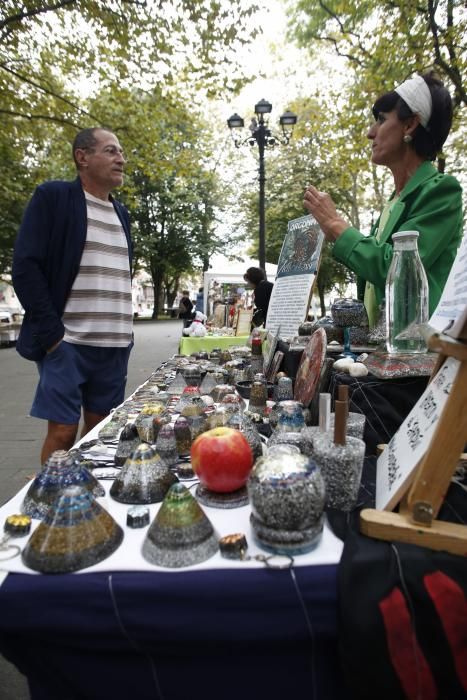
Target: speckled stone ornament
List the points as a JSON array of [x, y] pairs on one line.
[[76, 533], [333, 333], [208, 383], [148, 426], [290, 417], [17, 525], [220, 390], [181, 533], [183, 438], [283, 390], [198, 424], [144, 478], [284, 437], [192, 375], [129, 440], [166, 445], [258, 397], [349, 312], [224, 356], [58, 473], [189, 396], [217, 418], [214, 355], [341, 466], [233, 546], [177, 385], [110, 431], [355, 424], [287, 494], [137, 516], [358, 335], [240, 422], [195, 407]]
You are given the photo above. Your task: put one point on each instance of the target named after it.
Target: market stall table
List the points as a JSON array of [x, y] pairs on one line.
[[189, 345], [221, 629]]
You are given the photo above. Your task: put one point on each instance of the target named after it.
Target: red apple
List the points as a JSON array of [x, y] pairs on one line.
[[222, 459]]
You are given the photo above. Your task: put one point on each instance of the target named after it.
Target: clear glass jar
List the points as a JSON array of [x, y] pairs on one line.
[[406, 296]]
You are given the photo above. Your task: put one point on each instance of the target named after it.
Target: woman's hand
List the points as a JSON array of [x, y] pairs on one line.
[[323, 209]]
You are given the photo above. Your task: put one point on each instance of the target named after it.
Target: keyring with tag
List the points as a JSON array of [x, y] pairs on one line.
[[8, 551], [235, 546]]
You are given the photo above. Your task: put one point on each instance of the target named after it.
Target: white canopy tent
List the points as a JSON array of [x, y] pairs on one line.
[[224, 271]]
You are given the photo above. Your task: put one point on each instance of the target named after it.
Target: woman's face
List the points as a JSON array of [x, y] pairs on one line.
[[387, 134]]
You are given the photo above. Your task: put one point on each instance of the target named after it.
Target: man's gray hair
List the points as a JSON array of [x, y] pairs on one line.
[[86, 140]]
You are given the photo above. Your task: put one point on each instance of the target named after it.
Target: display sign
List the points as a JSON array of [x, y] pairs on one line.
[[296, 273], [396, 466], [242, 323], [450, 315]]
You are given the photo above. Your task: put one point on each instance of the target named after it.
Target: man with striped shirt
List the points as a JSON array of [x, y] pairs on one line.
[[72, 274]]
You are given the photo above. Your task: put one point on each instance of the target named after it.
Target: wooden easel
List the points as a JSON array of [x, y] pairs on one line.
[[416, 522]]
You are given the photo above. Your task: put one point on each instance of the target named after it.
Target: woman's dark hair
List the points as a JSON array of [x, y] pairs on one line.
[[427, 141], [255, 275]]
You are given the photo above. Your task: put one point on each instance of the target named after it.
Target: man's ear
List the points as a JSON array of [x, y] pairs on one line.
[[81, 157]]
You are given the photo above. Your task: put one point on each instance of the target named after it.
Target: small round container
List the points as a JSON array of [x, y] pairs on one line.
[[349, 312], [286, 493]]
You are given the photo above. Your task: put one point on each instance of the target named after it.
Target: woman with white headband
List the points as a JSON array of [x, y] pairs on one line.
[[412, 124]]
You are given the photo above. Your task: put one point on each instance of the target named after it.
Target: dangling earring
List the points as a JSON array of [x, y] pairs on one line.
[[407, 138]]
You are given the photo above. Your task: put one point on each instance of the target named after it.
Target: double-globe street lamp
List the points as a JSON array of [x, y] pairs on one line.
[[264, 138]]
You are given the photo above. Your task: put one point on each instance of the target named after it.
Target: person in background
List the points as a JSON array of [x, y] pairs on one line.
[[411, 125], [72, 274], [255, 277], [185, 308], [199, 303]]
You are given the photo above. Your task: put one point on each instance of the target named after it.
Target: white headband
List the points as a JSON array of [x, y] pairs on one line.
[[418, 97]]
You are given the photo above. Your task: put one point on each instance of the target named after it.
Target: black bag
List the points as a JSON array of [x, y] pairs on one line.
[[403, 616]]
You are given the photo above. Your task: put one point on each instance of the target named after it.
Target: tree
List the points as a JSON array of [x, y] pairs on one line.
[[171, 190], [386, 41], [54, 52], [126, 42]]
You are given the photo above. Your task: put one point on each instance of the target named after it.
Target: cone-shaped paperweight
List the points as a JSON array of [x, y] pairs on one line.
[[75, 533], [144, 478], [58, 473], [128, 442], [177, 386], [208, 384], [181, 534]]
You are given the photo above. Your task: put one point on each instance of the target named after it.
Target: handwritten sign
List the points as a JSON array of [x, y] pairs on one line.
[[396, 466]]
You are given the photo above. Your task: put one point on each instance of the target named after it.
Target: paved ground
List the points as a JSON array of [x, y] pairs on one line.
[[21, 436]]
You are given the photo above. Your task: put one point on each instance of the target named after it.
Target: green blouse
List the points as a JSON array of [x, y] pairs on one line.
[[430, 203]]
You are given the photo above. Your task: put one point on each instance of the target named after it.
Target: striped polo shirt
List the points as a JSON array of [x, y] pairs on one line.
[[99, 309]]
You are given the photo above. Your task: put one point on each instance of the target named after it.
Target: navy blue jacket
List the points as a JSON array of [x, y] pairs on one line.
[[46, 260]]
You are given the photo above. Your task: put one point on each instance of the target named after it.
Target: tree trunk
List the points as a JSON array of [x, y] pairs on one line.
[[321, 300]]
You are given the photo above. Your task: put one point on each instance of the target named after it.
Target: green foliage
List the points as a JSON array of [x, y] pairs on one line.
[[172, 193], [388, 40], [318, 154], [121, 53]]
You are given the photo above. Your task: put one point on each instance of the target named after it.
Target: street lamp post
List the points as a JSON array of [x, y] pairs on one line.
[[262, 136]]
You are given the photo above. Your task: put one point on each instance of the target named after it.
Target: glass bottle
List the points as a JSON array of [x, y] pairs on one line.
[[406, 296]]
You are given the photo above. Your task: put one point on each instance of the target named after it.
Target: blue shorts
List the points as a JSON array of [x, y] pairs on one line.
[[74, 376]]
